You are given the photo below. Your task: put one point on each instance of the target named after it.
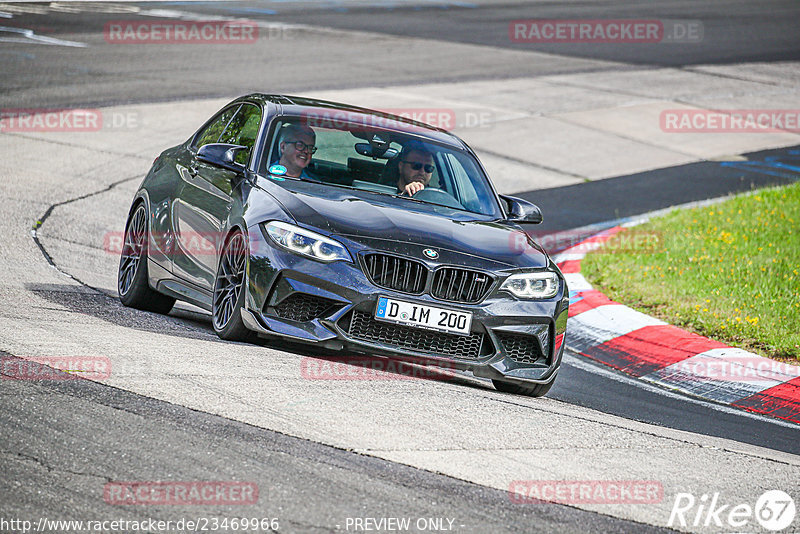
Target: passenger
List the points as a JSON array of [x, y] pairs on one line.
[[295, 147], [414, 168]]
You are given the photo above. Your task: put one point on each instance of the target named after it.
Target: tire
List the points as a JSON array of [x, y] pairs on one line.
[[132, 285], [532, 390], [229, 290]]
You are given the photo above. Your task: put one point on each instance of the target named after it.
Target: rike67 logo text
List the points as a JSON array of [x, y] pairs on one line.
[[774, 510]]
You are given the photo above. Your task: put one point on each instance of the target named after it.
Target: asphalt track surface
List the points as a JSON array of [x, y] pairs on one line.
[[50, 429], [735, 31], [308, 486]]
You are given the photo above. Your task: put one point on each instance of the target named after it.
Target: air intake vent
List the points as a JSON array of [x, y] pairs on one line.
[[525, 349], [364, 327], [303, 307], [399, 274], [460, 285]]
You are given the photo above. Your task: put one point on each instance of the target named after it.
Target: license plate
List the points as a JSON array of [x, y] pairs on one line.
[[423, 316]]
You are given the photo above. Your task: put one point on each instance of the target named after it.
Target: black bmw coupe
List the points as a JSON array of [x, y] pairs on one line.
[[352, 229]]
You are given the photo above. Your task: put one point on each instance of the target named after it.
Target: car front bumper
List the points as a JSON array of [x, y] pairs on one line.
[[333, 305]]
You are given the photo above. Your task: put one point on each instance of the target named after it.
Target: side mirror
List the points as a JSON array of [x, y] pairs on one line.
[[222, 155], [522, 211]]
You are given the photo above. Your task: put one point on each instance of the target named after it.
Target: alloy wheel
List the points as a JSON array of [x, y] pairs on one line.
[[230, 278], [132, 251]]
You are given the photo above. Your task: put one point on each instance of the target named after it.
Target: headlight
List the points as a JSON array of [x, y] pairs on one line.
[[541, 285], [306, 243]]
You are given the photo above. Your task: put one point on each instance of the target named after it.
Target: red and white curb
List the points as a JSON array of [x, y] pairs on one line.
[[654, 351]]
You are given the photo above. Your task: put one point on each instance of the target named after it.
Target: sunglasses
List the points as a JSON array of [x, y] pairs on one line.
[[302, 147], [417, 166]]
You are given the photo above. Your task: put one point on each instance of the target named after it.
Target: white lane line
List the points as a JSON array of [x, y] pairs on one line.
[[599, 369], [576, 282], [29, 36]]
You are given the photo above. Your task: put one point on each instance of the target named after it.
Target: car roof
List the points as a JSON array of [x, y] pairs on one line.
[[300, 106]]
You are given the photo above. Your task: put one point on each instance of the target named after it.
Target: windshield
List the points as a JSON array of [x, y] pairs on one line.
[[379, 161]]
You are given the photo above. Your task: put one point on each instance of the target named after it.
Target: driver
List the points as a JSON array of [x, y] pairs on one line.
[[296, 148], [414, 168]]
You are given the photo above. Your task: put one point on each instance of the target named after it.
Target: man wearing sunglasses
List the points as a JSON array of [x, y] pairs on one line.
[[415, 168], [296, 148]]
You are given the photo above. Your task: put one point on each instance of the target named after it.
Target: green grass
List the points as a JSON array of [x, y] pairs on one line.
[[730, 272]]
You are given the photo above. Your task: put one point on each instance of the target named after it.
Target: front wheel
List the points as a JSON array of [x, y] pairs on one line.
[[229, 291], [532, 390], [132, 285]]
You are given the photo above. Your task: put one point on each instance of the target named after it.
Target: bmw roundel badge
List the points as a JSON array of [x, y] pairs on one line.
[[432, 254]]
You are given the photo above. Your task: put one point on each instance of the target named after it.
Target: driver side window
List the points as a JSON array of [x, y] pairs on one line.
[[243, 130], [213, 131]]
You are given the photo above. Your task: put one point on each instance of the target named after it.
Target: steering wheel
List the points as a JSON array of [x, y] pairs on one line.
[[435, 195]]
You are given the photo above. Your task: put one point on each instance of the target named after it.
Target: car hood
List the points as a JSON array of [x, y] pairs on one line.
[[382, 222]]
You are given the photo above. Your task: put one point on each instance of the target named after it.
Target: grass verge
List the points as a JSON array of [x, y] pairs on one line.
[[730, 272]]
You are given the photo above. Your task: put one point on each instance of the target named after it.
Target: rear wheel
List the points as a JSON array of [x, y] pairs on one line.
[[132, 285], [229, 291], [531, 390]]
